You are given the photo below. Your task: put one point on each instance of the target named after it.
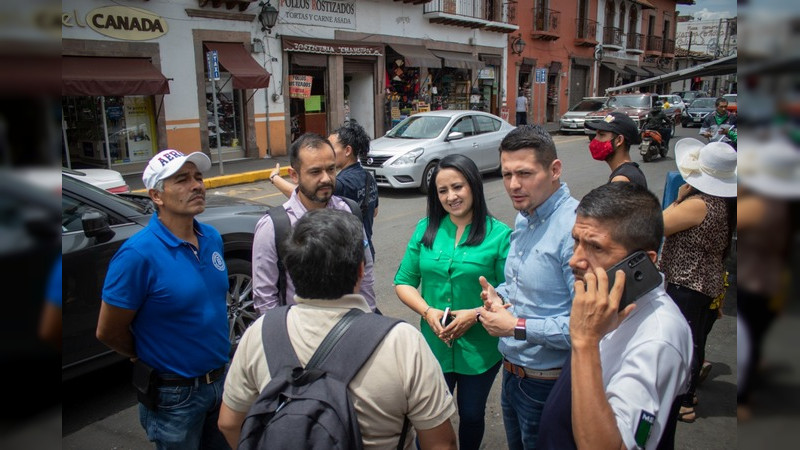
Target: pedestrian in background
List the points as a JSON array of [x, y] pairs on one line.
[[350, 144], [455, 244], [522, 108], [698, 227], [164, 306], [612, 144], [539, 284]]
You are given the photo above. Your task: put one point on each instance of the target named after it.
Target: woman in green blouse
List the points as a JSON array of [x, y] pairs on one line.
[[450, 249]]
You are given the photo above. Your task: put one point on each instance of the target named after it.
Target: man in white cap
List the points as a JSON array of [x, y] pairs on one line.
[[164, 307]]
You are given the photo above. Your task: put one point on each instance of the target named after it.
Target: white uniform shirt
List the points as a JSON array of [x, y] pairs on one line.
[[646, 363]]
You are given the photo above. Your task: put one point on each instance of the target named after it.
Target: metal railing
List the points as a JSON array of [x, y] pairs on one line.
[[654, 43], [586, 29], [546, 20], [476, 9], [635, 41], [669, 46], [612, 36]]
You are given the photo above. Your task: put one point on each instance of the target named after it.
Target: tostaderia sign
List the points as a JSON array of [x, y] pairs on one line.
[[121, 22]]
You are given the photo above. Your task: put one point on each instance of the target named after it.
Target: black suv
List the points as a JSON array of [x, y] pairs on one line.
[[95, 223]]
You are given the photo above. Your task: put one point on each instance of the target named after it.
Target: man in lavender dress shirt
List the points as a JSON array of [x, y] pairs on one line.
[[313, 170]]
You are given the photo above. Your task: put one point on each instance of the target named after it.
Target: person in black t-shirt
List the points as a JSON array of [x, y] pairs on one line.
[[615, 135]]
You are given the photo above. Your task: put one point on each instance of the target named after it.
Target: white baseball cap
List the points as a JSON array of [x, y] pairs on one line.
[[166, 163]]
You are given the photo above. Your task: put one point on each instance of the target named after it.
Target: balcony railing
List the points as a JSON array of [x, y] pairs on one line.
[[654, 44], [635, 41], [612, 36], [468, 10], [546, 20], [586, 29], [669, 46]]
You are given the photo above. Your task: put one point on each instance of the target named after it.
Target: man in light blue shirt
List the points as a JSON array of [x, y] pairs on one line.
[[533, 326]]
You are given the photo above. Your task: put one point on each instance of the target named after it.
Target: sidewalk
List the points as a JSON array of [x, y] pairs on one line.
[[250, 169]]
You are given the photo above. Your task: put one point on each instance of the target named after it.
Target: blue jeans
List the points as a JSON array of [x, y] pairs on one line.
[[473, 391], [522, 401], [186, 417]]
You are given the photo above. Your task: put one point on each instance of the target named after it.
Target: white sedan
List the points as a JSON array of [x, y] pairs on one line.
[[110, 180], [406, 156]]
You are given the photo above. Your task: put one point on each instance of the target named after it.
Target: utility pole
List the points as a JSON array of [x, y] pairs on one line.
[[688, 59], [716, 56]]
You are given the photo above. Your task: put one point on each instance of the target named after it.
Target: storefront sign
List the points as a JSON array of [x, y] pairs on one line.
[[504, 113], [487, 73], [321, 13], [300, 86], [423, 107], [293, 45], [139, 121], [119, 22]]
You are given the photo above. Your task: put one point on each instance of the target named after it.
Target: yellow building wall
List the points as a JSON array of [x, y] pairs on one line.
[[184, 135], [277, 134]]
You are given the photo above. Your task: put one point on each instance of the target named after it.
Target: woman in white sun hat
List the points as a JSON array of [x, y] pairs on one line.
[[698, 228]]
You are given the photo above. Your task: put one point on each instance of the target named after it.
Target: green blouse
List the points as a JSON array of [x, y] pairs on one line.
[[447, 275]]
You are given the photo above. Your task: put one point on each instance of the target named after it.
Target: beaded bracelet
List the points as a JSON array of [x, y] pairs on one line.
[[425, 314]]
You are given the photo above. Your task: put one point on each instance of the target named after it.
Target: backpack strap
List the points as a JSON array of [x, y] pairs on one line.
[[282, 225], [277, 346], [356, 345], [354, 208]]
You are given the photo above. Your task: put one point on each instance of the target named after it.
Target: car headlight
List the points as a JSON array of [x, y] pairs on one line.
[[409, 158]]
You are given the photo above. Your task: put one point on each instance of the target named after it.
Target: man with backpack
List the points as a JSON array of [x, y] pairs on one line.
[[291, 384], [312, 169]]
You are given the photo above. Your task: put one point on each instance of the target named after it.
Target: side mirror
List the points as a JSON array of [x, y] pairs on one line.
[[95, 225], [455, 135]]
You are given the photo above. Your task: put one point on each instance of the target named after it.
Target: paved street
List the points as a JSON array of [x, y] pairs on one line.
[[715, 427]]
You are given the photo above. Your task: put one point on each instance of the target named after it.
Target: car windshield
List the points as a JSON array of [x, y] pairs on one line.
[[689, 96], [419, 127], [588, 105], [703, 103], [637, 101]]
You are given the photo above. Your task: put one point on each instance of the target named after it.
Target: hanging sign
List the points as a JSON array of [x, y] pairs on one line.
[[300, 86], [541, 76]]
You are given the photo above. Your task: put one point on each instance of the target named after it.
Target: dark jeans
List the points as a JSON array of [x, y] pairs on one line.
[[756, 314], [522, 118], [186, 417], [694, 307], [473, 391], [522, 401]]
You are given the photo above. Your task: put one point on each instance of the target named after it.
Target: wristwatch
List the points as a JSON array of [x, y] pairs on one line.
[[519, 330]]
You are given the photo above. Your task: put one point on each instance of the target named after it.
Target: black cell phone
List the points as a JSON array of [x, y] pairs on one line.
[[641, 277], [144, 380], [447, 318]]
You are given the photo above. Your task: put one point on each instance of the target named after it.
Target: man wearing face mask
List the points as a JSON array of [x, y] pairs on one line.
[[615, 135]]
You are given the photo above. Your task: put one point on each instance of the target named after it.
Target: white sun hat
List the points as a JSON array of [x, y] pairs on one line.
[[710, 168], [167, 162], [770, 167]]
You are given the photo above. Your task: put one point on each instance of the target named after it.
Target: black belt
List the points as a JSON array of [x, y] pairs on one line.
[[176, 380]]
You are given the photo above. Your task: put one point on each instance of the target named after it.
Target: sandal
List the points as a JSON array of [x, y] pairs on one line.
[[687, 414], [695, 400], [704, 371]]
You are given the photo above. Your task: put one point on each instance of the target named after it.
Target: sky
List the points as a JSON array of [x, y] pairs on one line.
[[709, 9]]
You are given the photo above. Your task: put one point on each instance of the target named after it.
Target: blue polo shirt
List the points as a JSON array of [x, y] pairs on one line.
[[178, 293], [355, 183]]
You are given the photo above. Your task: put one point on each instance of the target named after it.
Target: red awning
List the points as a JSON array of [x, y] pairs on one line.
[[245, 71], [93, 75]]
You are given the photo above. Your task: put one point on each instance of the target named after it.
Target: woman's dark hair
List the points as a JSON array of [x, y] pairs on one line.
[[436, 212]]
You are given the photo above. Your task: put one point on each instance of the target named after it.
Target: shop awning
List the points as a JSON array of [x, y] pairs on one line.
[[458, 60], [94, 75], [613, 67], [492, 60], [417, 56], [245, 71], [636, 70], [655, 71]]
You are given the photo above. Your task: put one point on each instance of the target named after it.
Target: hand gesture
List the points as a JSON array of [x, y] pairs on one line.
[[595, 309], [489, 296]]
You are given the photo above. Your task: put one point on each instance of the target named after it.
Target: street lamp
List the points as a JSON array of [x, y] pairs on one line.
[[517, 45], [268, 16]]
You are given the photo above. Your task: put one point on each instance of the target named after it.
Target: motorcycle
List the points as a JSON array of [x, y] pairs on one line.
[[652, 145]]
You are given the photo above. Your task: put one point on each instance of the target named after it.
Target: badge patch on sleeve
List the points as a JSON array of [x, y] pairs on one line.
[[646, 421]]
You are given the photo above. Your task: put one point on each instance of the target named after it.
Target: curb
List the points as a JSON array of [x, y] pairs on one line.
[[235, 178]]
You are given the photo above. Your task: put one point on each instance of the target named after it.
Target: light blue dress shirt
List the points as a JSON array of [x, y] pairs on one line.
[[539, 282]]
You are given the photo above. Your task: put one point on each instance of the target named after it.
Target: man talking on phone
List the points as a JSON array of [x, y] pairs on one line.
[[627, 365]]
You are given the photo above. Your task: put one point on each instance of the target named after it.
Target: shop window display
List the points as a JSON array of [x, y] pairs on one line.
[[230, 114], [130, 124]]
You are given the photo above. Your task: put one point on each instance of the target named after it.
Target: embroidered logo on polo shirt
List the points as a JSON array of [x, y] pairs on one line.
[[646, 421], [218, 262]]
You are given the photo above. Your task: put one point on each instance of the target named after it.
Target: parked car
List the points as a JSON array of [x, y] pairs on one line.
[[110, 180], [731, 98], [694, 113], [636, 106], [676, 106], [573, 120], [406, 156], [689, 96], [95, 223]]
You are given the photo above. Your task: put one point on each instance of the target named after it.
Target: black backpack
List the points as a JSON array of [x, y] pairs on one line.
[[282, 225], [310, 407]]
